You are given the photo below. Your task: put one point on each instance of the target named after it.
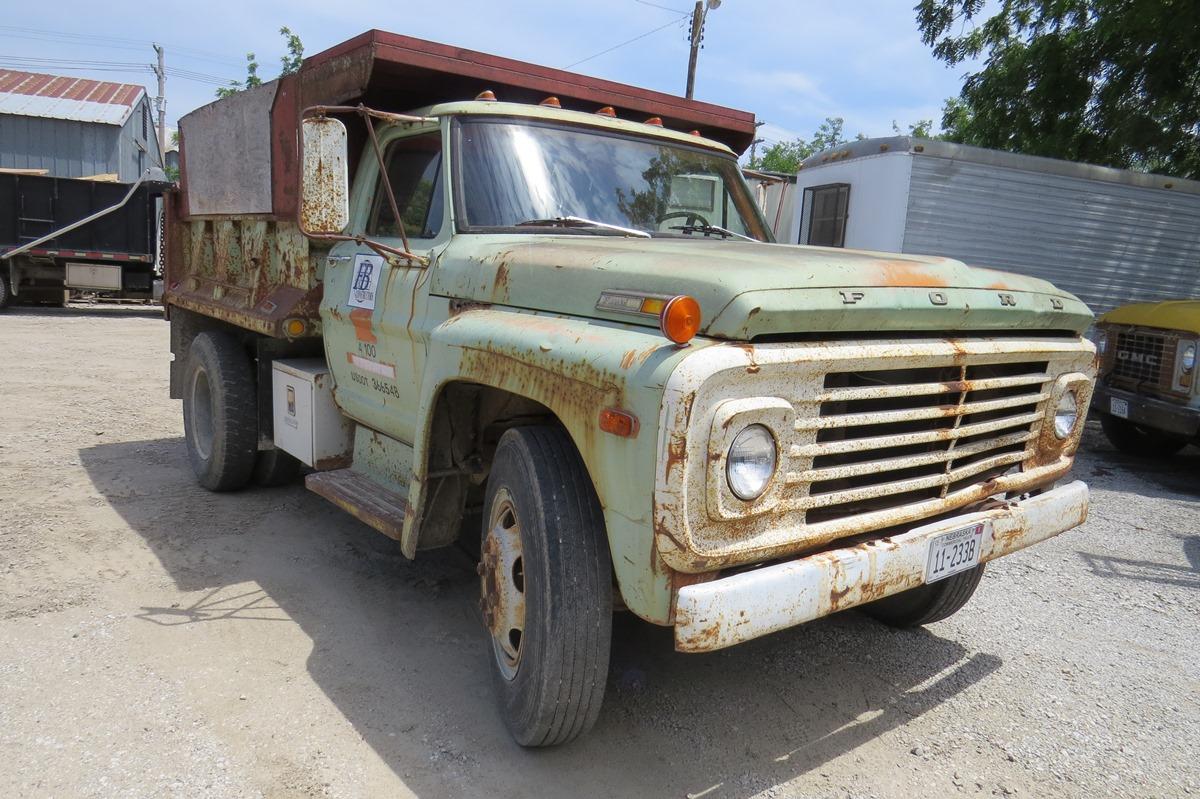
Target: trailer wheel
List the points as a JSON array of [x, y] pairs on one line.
[[927, 603], [220, 415], [5, 294], [274, 467], [1133, 439], [546, 585]]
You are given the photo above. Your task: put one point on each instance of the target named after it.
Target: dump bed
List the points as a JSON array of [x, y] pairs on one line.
[[235, 251], [32, 206]]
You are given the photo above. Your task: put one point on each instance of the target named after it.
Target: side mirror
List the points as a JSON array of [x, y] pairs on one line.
[[324, 177]]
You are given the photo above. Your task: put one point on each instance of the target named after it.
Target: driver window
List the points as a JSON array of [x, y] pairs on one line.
[[414, 167], [699, 199]]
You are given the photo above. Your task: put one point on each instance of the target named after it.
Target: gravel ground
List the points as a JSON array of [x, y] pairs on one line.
[[158, 640]]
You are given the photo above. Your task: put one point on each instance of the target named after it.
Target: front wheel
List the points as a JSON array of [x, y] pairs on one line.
[[1134, 439], [5, 294], [927, 603], [546, 587]]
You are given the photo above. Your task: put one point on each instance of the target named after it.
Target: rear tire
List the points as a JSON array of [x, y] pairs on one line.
[[5, 294], [1134, 439], [220, 413], [927, 603], [546, 587], [274, 467]]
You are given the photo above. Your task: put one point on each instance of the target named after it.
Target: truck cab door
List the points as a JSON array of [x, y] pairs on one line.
[[374, 308]]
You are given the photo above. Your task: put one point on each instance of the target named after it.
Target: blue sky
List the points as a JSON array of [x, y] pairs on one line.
[[792, 63]]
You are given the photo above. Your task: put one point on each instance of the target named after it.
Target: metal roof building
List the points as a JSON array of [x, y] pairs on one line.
[[75, 127], [1109, 236]]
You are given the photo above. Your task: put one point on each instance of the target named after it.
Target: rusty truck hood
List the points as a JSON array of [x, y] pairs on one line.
[[750, 289]]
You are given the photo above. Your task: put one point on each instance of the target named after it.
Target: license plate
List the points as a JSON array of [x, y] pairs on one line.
[[1118, 407], [953, 552]]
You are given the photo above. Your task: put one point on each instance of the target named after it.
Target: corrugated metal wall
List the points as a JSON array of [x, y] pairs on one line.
[[1107, 243], [67, 148], [72, 149]]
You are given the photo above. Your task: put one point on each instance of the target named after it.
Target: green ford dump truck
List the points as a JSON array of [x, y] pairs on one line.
[[538, 315]]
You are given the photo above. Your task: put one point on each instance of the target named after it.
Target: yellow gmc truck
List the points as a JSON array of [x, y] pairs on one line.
[[1147, 394]]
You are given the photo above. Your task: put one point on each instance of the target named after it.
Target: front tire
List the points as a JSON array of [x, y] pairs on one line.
[[546, 587], [1134, 439], [5, 293], [220, 414], [928, 603]]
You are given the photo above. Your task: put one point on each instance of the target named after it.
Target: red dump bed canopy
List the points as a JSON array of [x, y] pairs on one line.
[[240, 153]]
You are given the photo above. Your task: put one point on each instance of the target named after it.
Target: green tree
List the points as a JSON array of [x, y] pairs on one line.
[[252, 79], [295, 52], [1113, 82], [785, 156], [289, 63]]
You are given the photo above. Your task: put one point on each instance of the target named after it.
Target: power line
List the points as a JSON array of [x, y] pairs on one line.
[[630, 41], [111, 42], [664, 8]]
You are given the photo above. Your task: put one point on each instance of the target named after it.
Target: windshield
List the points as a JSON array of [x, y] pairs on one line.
[[518, 173]]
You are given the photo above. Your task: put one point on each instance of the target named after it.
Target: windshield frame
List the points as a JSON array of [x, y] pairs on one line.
[[739, 192]]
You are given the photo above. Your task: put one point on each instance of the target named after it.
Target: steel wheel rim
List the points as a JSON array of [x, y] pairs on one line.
[[202, 414], [502, 584]]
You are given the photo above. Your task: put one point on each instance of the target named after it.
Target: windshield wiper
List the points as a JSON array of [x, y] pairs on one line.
[[578, 221], [710, 229]]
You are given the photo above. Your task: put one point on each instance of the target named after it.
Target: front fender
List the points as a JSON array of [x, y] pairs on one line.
[[576, 368]]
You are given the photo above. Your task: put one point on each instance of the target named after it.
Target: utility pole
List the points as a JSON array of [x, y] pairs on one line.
[[160, 104], [696, 35], [757, 141]]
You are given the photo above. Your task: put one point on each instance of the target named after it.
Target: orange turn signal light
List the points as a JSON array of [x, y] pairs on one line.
[[619, 423], [680, 319], [552, 102], [294, 327]]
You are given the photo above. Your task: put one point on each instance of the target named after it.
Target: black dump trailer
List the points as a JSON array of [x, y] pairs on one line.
[[45, 253]]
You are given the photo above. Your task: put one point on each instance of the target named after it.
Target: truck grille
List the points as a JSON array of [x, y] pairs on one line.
[[1143, 356], [893, 437]]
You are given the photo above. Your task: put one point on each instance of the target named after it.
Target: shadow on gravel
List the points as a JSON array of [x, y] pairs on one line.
[[1170, 476], [106, 310], [397, 647]]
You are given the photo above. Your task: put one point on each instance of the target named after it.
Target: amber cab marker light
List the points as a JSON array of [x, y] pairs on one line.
[[552, 102], [694, 132], [619, 423], [655, 121], [680, 319], [606, 111], [486, 96]]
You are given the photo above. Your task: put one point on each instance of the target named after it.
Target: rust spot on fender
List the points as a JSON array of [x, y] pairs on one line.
[[500, 282], [628, 358]]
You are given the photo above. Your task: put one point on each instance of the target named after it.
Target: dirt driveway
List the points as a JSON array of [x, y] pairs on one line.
[[158, 640]]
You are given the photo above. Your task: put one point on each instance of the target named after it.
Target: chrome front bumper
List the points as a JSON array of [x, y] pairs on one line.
[[734, 609]]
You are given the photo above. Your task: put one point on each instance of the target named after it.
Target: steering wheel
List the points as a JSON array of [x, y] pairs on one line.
[[691, 218]]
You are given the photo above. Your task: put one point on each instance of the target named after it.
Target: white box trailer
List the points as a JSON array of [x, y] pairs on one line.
[[1109, 236]]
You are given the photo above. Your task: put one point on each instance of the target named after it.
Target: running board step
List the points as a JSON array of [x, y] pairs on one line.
[[361, 496]]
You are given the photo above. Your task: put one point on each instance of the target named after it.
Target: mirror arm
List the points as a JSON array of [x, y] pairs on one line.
[[390, 254], [386, 178]]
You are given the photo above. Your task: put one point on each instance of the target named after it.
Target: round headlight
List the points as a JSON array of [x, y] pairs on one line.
[[1066, 414], [1188, 358], [751, 462]]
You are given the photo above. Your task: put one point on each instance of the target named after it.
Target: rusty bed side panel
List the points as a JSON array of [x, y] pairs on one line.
[[251, 272]]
